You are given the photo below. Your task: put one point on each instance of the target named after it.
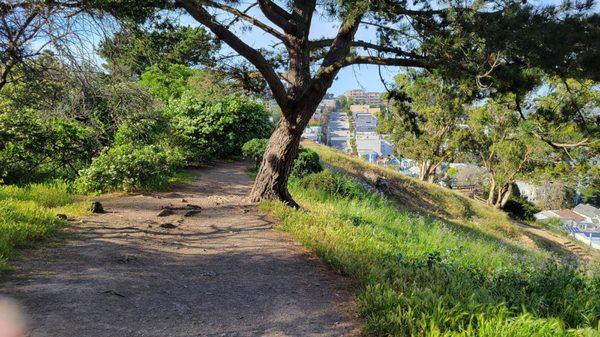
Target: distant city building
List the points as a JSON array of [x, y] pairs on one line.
[[365, 122], [374, 111], [582, 222], [368, 143], [329, 103], [312, 133], [359, 108], [364, 97], [590, 213]]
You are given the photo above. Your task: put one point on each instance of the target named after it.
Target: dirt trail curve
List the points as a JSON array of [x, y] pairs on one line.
[[220, 272], [557, 242]]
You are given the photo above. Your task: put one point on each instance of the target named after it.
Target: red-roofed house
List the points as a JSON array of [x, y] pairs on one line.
[[567, 216]]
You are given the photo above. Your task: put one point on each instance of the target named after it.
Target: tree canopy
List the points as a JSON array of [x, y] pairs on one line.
[[496, 44], [424, 121]]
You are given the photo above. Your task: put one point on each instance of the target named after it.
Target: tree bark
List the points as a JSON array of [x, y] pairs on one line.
[[492, 193], [427, 171], [271, 181], [503, 197]]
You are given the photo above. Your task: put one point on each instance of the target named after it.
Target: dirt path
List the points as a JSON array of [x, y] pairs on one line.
[[555, 242], [220, 272]]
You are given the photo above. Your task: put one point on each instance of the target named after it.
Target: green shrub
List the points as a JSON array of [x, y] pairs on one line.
[[33, 149], [306, 163], [332, 184], [167, 82], [130, 167], [520, 208], [254, 149], [210, 129], [147, 130]]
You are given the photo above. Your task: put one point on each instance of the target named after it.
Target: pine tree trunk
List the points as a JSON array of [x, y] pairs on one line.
[[272, 178]]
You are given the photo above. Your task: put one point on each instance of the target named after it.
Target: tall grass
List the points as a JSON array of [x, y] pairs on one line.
[[29, 214], [425, 277]]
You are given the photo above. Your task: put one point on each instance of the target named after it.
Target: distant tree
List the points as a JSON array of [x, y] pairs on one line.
[[555, 195], [24, 35], [340, 103], [504, 146], [424, 121], [346, 107], [159, 43], [566, 118], [590, 193]]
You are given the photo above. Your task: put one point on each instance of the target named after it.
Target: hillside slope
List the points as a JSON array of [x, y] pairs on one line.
[[457, 268], [429, 199]]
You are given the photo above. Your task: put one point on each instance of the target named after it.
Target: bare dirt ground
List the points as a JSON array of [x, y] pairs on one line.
[[222, 271], [559, 243]]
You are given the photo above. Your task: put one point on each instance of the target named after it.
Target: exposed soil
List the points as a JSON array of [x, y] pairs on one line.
[[559, 243], [217, 270]]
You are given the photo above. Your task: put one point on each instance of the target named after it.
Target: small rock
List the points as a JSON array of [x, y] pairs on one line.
[[184, 200], [168, 226], [112, 292], [165, 212], [381, 182], [61, 216], [97, 207], [193, 206], [192, 212]]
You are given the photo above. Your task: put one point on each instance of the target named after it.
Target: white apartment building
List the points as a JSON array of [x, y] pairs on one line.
[[363, 96]]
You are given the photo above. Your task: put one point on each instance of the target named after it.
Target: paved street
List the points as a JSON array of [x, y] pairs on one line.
[[338, 132]]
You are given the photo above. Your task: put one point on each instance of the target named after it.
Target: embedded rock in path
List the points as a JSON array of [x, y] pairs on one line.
[[165, 212], [97, 207]]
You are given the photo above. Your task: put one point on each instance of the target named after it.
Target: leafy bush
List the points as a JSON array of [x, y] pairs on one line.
[[254, 149], [520, 208], [167, 82], [333, 184], [32, 149], [209, 129], [147, 130], [130, 167], [306, 163]]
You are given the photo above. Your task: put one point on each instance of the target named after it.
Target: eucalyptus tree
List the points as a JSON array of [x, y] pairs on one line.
[[504, 146], [424, 122], [477, 39]]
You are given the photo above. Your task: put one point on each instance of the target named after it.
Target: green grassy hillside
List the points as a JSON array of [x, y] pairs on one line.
[[429, 200], [440, 265]]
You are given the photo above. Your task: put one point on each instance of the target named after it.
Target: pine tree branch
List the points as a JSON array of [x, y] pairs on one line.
[[200, 14]]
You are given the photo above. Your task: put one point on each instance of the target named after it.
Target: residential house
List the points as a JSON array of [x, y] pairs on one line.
[[589, 212], [365, 122], [354, 108], [313, 133]]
